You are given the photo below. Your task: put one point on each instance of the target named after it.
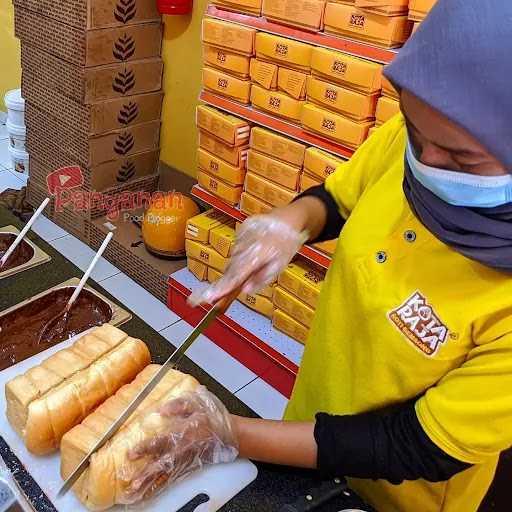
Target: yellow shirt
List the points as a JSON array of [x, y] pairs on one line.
[[401, 315]]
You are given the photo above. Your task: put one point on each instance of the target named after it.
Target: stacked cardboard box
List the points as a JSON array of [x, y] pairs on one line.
[[305, 14], [418, 9], [386, 108]]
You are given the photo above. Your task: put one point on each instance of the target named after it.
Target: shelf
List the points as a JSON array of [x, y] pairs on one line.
[[364, 50], [274, 123], [308, 252]]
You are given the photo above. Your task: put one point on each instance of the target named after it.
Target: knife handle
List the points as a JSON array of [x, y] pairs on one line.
[[327, 491]]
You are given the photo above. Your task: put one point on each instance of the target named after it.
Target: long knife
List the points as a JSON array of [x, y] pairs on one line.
[[221, 307]]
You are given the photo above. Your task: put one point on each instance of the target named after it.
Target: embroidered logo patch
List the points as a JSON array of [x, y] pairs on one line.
[[419, 323]]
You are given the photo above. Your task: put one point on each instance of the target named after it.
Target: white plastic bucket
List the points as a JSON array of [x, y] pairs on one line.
[[15, 107], [20, 160], [17, 135]]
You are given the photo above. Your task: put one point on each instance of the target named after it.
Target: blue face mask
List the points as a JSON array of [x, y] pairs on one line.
[[459, 188]]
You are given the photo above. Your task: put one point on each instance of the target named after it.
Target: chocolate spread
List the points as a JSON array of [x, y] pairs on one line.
[[20, 329], [21, 255]]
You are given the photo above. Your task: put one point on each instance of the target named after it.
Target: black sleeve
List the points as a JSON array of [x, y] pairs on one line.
[[334, 222], [390, 446]]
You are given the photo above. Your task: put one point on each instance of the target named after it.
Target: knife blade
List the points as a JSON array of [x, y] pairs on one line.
[[327, 491], [175, 357]]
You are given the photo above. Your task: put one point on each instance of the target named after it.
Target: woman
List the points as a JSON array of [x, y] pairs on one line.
[[406, 382]]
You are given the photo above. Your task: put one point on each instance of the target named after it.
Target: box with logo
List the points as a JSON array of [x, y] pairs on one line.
[[294, 307], [306, 14], [236, 156], [351, 72], [268, 191], [200, 226], [229, 36], [386, 31], [229, 193], [355, 105], [308, 181], [384, 7], [285, 323], [90, 47], [277, 146], [244, 6], [388, 90], [91, 85], [229, 129], [230, 62], [258, 303], [320, 164], [334, 126], [251, 205], [418, 9], [304, 280], [220, 168], [292, 82], [277, 103], [386, 109], [206, 254], [283, 174], [264, 74], [282, 51], [222, 239], [199, 269], [226, 85], [329, 247]]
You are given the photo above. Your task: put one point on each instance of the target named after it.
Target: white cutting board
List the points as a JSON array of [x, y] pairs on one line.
[[221, 482]]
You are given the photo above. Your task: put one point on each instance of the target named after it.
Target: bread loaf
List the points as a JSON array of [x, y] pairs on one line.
[[50, 399], [106, 481]]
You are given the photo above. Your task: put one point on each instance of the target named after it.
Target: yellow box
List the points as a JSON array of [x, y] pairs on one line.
[[418, 9], [262, 305], [277, 146], [355, 105], [219, 168], [307, 181], [230, 36], [357, 74], [303, 280], [285, 52], [251, 205], [227, 85], [264, 74], [207, 255], [292, 82], [320, 163], [329, 247], [234, 155], [233, 63], [199, 269], [199, 227], [228, 128], [222, 239], [334, 126], [388, 89], [372, 130], [221, 189], [213, 275], [386, 109], [384, 7], [294, 307], [267, 191], [283, 174], [277, 103], [306, 14], [285, 323], [244, 6], [347, 21]]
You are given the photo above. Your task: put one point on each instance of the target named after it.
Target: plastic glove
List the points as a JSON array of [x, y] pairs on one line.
[[265, 245], [198, 432]]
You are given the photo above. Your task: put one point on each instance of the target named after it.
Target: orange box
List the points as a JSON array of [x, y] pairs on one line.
[[285, 323], [206, 254], [388, 89], [251, 205], [264, 74], [283, 51], [283, 174], [277, 146], [220, 168], [221, 189], [294, 307], [277, 103], [227, 85], [233, 63], [306, 14], [292, 82], [308, 181], [244, 6], [258, 303], [386, 109], [199, 269], [418, 9], [229, 129], [222, 239], [267, 191], [384, 7], [320, 164], [200, 226], [304, 280], [230, 36], [236, 155], [329, 247]]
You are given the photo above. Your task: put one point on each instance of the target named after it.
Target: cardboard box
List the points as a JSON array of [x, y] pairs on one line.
[[372, 130], [329, 247], [251, 205], [222, 239], [308, 181], [388, 90], [355, 105], [229, 129], [351, 72], [283, 174], [219, 168], [206, 254], [418, 9], [306, 14], [199, 269], [229, 36], [200, 226], [213, 275], [225, 191], [334, 126], [267, 191], [285, 52], [285, 323], [320, 163], [258, 303], [384, 7], [304, 280], [264, 74], [354, 23], [386, 109], [227, 85], [293, 83], [233, 63], [415, 26], [294, 307], [277, 146], [244, 6], [90, 47], [277, 103], [236, 156]]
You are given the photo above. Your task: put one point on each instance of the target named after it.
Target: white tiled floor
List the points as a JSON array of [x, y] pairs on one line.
[[263, 399], [5, 157]]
